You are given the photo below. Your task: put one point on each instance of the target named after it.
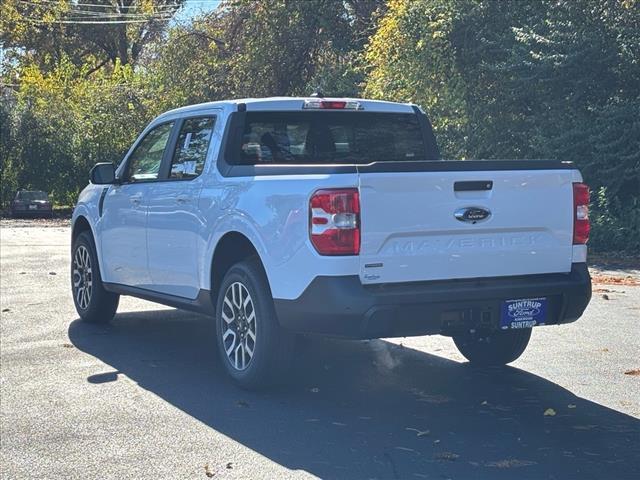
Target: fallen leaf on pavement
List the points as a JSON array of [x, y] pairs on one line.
[[230, 465], [614, 280], [52, 273], [549, 412], [605, 296], [4, 310], [207, 471], [634, 373]]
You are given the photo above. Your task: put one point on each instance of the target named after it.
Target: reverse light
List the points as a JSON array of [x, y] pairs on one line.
[[581, 225], [334, 224], [316, 104]]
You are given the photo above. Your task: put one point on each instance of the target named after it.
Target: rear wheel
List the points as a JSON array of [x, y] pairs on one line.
[[93, 303], [253, 348], [493, 348]]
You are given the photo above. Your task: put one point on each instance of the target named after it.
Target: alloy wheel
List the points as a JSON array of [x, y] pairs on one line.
[[239, 326], [82, 277]]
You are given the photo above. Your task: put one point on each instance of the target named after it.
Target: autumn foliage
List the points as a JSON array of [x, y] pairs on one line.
[[499, 79]]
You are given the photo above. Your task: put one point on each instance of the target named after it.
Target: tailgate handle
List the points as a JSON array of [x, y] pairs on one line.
[[473, 186]]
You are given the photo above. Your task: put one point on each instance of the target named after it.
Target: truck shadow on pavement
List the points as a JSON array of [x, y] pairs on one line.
[[372, 409]]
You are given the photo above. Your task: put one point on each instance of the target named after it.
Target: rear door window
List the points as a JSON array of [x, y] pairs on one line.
[[191, 147], [330, 138]]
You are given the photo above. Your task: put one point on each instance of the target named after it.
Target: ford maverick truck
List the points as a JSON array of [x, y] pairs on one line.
[[332, 216]]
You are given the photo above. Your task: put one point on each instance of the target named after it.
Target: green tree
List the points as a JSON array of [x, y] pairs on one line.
[[410, 58], [525, 79], [63, 122], [95, 33], [272, 47]]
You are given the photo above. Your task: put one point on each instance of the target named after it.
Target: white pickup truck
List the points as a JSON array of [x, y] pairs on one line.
[[335, 216]]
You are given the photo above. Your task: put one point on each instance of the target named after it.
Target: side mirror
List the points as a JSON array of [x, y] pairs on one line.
[[103, 174]]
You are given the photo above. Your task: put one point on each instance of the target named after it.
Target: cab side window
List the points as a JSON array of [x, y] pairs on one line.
[[145, 161], [191, 148]]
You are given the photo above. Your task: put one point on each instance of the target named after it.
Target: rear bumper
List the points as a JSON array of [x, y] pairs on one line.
[[342, 306]]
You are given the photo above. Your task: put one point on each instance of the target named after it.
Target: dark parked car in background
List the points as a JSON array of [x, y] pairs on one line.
[[31, 203]]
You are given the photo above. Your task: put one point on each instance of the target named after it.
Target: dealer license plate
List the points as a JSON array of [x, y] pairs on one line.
[[523, 313]]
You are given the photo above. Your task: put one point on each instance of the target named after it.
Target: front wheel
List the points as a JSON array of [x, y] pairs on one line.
[[493, 348], [253, 348], [93, 303]]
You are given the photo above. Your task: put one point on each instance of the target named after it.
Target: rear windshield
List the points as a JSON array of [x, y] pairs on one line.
[[330, 137], [31, 196]]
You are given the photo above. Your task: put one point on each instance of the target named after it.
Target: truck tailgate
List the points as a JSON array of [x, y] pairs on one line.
[[428, 225]]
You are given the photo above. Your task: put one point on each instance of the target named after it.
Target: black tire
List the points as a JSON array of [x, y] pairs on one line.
[[272, 346], [95, 304], [493, 348]]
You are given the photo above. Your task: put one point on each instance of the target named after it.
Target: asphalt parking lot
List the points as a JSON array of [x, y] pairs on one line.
[[145, 396]]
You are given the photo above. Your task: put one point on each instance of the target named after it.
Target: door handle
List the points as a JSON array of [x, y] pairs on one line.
[[182, 199], [136, 199], [473, 186]]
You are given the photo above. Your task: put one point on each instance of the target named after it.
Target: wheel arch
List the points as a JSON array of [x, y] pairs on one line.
[[80, 224], [232, 248]]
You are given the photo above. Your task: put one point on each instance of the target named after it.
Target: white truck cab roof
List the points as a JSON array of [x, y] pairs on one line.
[[295, 103]]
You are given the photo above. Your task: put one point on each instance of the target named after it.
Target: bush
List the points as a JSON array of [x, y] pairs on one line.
[[62, 122], [614, 228]]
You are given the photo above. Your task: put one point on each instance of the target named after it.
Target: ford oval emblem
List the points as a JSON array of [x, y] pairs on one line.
[[472, 214]]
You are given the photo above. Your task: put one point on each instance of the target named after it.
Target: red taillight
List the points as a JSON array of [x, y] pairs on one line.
[[581, 224], [334, 225]]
